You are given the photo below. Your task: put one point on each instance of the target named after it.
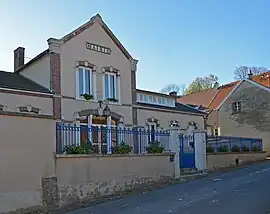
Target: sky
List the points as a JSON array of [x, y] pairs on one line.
[[175, 41]]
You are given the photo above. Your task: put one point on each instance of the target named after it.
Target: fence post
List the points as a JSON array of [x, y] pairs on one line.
[[174, 146], [200, 150]]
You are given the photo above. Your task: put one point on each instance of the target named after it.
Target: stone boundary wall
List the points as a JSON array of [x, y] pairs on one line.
[[228, 159]]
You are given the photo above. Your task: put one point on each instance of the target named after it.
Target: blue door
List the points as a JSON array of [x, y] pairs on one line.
[[187, 151]]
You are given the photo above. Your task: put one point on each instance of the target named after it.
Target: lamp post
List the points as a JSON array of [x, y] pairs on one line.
[[106, 113]]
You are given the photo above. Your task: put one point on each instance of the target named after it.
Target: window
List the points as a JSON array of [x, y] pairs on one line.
[[236, 107], [154, 100], [144, 98], [85, 81], [163, 101], [159, 100], [150, 99], [141, 97], [111, 83], [152, 126], [216, 131]]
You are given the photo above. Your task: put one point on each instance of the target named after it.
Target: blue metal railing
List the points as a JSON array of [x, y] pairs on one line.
[[103, 140], [233, 144]]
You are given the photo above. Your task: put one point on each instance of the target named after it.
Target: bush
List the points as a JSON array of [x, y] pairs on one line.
[[154, 147], [235, 148], [210, 149], [245, 149], [84, 148], [122, 149], [255, 149], [223, 149]]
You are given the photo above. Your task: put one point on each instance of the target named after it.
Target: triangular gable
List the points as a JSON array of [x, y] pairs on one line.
[[98, 19], [233, 90]]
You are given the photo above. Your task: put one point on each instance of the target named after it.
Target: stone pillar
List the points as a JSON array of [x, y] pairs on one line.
[[135, 146], [200, 150], [49, 192], [109, 134], [174, 146]]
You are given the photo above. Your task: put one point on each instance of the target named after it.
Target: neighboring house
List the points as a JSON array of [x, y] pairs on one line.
[[21, 95], [210, 100], [245, 112], [91, 61]]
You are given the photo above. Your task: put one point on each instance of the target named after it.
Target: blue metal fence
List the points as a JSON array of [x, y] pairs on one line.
[[103, 140], [232, 144]]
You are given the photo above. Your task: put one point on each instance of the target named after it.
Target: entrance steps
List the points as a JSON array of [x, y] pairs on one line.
[[191, 171]]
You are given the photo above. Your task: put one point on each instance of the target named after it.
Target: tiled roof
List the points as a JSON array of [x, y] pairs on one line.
[[263, 79], [212, 98], [221, 94], [178, 107], [16, 81], [200, 98]]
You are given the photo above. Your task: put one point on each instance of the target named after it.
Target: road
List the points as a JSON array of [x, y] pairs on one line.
[[241, 191]]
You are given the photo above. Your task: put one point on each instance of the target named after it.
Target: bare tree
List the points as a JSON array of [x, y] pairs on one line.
[[242, 72], [171, 87]]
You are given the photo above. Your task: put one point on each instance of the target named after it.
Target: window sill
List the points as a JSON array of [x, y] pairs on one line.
[[114, 103], [96, 101], [82, 99]]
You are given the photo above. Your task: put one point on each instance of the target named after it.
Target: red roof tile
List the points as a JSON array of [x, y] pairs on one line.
[[200, 98], [212, 98]]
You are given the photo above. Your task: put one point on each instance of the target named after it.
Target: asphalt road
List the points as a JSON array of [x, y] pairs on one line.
[[244, 191]]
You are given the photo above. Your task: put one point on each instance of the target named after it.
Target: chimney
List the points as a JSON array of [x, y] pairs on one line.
[[250, 75], [18, 58], [173, 94]]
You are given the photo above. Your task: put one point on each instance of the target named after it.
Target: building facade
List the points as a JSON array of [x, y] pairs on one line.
[[245, 112], [93, 78]]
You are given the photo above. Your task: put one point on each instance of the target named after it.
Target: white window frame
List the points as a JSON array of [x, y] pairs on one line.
[[216, 131], [91, 81], [116, 85], [237, 107]]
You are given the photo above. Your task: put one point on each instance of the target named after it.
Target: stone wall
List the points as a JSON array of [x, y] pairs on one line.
[[220, 160], [83, 177]]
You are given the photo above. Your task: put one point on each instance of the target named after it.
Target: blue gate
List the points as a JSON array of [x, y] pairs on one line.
[[187, 151]]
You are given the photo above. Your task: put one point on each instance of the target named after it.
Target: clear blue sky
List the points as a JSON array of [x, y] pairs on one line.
[[175, 40]]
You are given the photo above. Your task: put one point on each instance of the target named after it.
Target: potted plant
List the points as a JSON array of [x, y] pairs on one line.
[[112, 100], [87, 96]]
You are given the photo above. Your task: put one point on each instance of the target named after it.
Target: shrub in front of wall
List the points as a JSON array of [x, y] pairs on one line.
[[245, 149], [235, 148], [255, 149], [223, 149], [210, 149], [154, 147], [122, 149], [84, 148]]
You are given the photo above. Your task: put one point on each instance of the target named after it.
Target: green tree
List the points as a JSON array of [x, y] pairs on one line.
[[202, 84]]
